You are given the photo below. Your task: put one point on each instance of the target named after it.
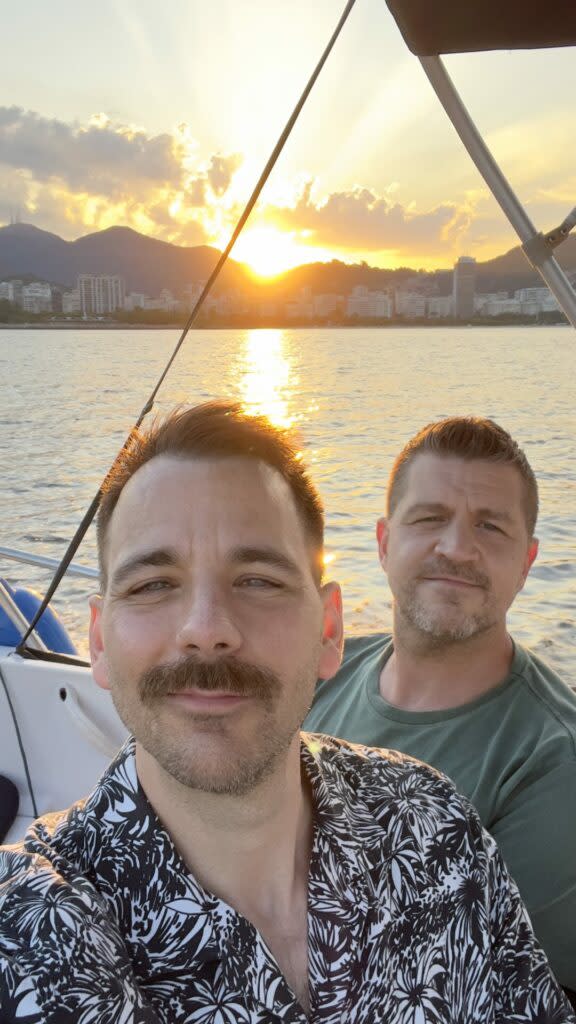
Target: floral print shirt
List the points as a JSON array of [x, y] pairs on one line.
[[412, 916]]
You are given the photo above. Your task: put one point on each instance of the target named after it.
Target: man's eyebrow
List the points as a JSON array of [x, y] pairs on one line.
[[167, 558], [267, 556], [160, 557], [426, 506], [500, 515]]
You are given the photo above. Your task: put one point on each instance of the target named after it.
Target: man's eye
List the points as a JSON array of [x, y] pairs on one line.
[[429, 519], [258, 583], [491, 527], [151, 587]]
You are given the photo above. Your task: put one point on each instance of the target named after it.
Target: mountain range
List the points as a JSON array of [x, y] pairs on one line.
[[148, 265]]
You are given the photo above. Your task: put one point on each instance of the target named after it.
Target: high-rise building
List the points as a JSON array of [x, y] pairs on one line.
[[100, 293], [464, 283], [11, 290], [37, 297]]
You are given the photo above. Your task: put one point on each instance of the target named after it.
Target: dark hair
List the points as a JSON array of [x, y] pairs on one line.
[[219, 429], [466, 437]]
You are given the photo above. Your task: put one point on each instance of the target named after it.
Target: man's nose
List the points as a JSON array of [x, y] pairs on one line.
[[458, 541], [207, 625]]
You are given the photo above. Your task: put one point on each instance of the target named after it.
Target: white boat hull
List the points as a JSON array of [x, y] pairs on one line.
[[69, 731]]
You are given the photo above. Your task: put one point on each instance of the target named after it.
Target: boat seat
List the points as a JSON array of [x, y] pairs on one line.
[[8, 806]]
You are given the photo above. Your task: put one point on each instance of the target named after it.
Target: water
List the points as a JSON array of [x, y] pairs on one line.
[[68, 399]]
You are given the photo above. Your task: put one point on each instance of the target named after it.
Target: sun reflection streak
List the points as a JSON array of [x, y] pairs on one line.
[[268, 379]]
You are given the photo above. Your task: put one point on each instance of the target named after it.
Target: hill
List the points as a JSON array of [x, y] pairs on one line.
[[149, 265], [146, 264], [512, 270]]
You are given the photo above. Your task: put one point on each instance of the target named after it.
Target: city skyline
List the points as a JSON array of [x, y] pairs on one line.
[[417, 299], [174, 111]]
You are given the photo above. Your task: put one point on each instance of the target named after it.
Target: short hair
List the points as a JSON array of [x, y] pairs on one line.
[[466, 437], [218, 429]]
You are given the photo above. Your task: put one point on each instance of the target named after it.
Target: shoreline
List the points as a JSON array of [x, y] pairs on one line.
[[118, 325]]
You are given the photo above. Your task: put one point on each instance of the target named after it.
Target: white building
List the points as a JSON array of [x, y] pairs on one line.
[[532, 294], [12, 291], [367, 304], [440, 306], [410, 304], [37, 297], [71, 301], [525, 302], [192, 293], [100, 293], [486, 299], [169, 302], [135, 300], [536, 300], [496, 307], [326, 305], [302, 308]]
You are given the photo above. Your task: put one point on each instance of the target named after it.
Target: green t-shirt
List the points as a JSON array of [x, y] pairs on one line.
[[511, 751]]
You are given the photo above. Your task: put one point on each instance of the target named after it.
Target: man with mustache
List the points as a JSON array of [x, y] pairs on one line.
[[450, 686], [228, 869]]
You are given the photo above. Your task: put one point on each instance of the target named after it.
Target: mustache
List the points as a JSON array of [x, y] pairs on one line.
[[444, 567], [228, 675]]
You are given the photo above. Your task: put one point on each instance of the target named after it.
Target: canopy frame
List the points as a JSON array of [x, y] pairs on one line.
[[537, 247]]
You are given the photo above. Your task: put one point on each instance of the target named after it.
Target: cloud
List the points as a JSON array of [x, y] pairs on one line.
[[14, 189], [99, 157], [221, 171], [361, 220], [74, 177]]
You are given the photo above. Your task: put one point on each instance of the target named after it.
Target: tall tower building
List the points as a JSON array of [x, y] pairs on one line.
[[100, 293], [463, 288]]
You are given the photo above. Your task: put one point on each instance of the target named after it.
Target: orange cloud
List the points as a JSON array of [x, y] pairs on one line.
[[361, 220]]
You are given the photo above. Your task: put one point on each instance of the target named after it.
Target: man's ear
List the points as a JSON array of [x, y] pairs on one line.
[[332, 631], [529, 560], [99, 665], [382, 534]]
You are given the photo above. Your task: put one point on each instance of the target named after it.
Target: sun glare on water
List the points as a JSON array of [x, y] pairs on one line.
[[267, 380]]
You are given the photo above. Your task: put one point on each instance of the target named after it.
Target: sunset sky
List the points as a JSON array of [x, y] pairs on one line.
[[160, 116]]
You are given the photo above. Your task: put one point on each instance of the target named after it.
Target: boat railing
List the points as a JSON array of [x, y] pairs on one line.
[[9, 606], [44, 562]]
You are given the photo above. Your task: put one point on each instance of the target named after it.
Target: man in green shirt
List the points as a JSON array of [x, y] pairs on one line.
[[450, 686]]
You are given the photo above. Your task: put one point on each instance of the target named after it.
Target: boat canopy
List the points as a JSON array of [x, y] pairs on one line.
[[432, 27]]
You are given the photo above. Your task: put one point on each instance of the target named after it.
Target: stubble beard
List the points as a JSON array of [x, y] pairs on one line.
[[204, 753], [442, 624]]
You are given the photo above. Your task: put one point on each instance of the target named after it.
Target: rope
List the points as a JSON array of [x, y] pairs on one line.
[[91, 512]]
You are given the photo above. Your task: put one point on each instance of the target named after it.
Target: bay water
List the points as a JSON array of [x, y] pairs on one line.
[[68, 398]]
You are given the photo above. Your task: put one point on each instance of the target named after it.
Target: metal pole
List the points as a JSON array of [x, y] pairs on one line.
[[43, 562], [547, 267]]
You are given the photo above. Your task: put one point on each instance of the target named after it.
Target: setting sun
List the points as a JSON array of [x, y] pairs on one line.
[[270, 252]]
